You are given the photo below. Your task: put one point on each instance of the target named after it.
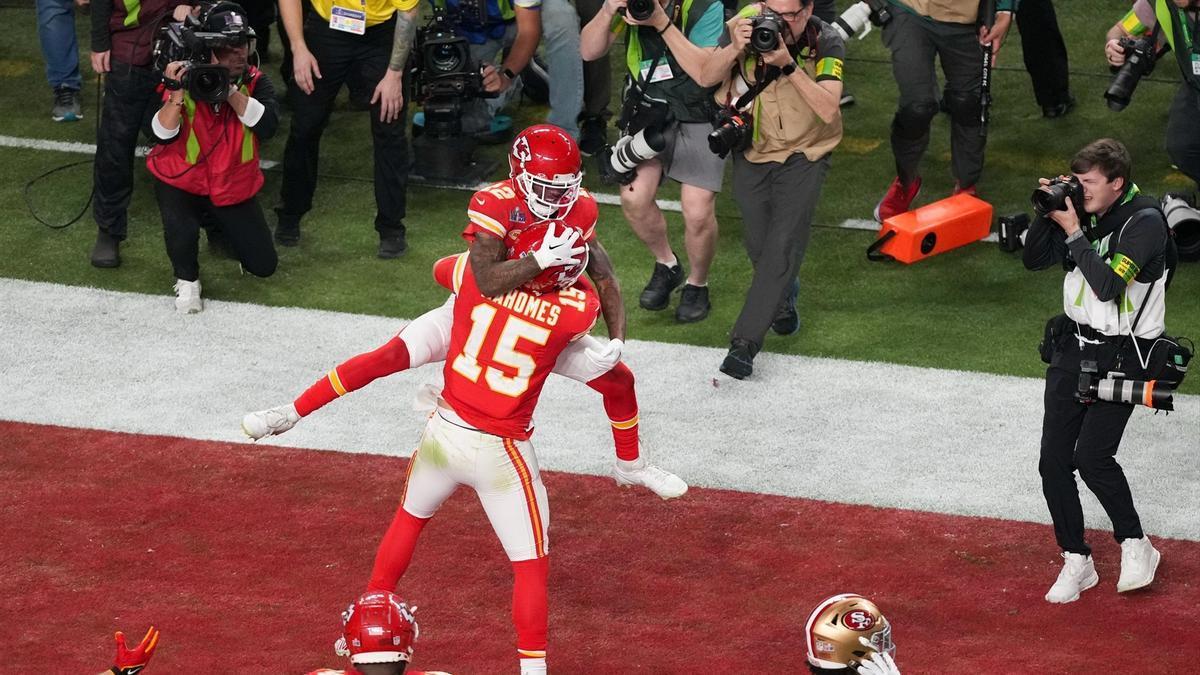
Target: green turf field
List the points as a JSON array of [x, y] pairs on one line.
[[971, 309]]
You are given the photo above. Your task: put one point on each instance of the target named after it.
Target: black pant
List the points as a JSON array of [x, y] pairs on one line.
[[359, 62], [129, 101], [915, 43], [597, 75], [1183, 133], [1045, 52], [243, 225], [1084, 438]]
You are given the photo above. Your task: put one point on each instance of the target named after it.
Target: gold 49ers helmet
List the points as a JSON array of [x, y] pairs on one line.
[[835, 627]]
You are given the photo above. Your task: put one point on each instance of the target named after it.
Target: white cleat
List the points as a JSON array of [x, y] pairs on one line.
[[187, 297], [640, 472], [1139, 560], [270, 422], [1078, 574]]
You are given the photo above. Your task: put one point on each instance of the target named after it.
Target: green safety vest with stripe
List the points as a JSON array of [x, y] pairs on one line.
[[214, 155], [1174, 22], [688, 101]]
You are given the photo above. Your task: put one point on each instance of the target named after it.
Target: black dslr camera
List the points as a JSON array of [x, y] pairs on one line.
[[1054, 196], [1139, 61], [220, 25], [765, 29], [732, 131], [639, 10], [442, 72], [1116, 388]]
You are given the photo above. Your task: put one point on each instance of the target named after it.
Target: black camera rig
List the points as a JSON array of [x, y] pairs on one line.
[[220, 25]]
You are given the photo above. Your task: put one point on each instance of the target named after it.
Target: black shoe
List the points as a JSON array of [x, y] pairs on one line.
[[107, 251], [739, 362], [287, 232], [663, 280], [693, 304], [787, 321], [392, 245], [1055, 111], [593, 135]]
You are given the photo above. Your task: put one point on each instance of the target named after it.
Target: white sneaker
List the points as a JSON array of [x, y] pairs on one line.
[[1078, 574], [640, 472], [187, 297], [1139, 560], [271, 422]]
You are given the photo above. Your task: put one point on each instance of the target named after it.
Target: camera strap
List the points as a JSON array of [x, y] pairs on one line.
[[662, 54]]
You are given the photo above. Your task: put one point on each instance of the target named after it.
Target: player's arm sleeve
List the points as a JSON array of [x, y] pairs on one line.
[[1142, 240], [448, 272]]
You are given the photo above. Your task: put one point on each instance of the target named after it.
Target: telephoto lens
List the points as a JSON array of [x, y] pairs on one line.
[[1139, 61]]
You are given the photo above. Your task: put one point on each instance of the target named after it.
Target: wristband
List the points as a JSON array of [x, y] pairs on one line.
[[665, 28], [507, 72], [788, 69]]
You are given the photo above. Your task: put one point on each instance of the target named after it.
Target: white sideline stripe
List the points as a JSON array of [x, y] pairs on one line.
[[851, 432], [79, 148]]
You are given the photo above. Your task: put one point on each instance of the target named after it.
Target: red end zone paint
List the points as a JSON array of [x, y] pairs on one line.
[[244, 556]]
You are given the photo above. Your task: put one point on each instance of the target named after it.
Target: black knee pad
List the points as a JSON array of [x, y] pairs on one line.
[[964, 107], [912, 120]]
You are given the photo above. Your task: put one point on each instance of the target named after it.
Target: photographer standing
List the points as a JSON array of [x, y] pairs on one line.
[[122, 51], [1118, 261], [1178, 21], [364, 45], [795, 87], [919, 31], [207, 160], [668, 44]]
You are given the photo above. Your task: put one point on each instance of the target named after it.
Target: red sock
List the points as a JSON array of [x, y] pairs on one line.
[[396, 550], [529, 611], [620, 402], [356, 373]]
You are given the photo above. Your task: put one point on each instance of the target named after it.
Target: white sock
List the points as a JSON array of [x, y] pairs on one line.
[[533, 666], [674, 262]]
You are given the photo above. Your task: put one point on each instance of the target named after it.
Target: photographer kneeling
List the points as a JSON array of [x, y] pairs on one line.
[[215, 110], [1118, 262], [664, 122], [782, 69]]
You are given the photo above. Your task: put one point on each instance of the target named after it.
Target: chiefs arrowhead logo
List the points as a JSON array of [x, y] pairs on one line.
[[521, 149]]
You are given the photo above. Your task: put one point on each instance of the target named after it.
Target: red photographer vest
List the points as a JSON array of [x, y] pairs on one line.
[[214, 155]]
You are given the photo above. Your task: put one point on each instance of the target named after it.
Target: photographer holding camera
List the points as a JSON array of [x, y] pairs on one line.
[[1178, 22], [782, 74], [1118, 260], [216, 108], [664, 121]]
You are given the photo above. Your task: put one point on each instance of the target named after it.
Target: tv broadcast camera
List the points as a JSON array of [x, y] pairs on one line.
[[220, 25], [442, 78]]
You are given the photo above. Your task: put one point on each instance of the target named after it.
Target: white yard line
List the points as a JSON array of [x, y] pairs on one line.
[[852, 432]]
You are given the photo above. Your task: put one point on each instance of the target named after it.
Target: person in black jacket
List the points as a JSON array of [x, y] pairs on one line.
[[1117, 257]]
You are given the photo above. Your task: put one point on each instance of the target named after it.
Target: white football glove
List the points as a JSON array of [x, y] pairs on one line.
[[560, 249], [274, 421], [878, 663], [606, 356]]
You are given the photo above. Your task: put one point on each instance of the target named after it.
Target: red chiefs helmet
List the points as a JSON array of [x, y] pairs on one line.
[[525, 241], [843, 631], [545, 167], [377, 628]]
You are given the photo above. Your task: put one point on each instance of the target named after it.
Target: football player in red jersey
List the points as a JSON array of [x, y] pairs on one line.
[[502, 349], [847, 633], [546, 172], [378, 632]]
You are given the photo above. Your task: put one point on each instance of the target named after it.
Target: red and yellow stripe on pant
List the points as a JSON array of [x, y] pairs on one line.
[[526, 477]]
